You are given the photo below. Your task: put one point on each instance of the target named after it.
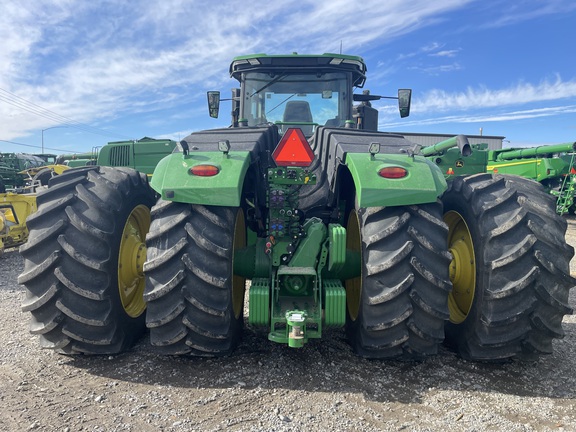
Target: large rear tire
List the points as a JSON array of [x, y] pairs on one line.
[[398, 307], [510, 267], [83, 260], [195, 303]]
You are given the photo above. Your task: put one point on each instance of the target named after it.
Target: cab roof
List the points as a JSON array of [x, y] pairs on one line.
[[300, 63]]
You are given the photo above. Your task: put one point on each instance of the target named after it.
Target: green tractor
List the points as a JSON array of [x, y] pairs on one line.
[[333, 223], [142, 154], [14, 169]]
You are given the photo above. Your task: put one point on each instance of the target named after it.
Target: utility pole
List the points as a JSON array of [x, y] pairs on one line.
[[52, 127]]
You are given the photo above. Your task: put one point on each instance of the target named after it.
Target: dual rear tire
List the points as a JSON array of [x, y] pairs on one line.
[[488, 268], [85, 261], [510, 268]]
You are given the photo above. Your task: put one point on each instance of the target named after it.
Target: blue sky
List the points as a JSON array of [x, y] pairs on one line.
[[114, 70]]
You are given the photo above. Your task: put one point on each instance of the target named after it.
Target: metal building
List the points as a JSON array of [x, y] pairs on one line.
[[428, 139]]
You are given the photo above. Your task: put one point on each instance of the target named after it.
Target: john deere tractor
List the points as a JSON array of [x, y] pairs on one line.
[[332, 223]]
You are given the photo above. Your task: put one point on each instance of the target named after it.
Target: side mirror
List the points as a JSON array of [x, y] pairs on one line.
[[213, 103], [404, 100]]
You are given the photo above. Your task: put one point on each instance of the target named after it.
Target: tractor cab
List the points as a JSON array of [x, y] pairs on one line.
[[303, 91], [301, 100]]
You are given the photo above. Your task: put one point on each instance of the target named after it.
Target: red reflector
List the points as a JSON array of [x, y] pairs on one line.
[[293, 150], [204, 170], [392, 172]]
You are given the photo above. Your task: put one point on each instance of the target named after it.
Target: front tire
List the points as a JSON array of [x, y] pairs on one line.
[[195, 303], [510, 267], [398, 306], [83, 260]]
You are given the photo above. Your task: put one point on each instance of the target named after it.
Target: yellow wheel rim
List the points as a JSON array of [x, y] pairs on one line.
[[462, 267], [353, 286], [238, 282], [131, 259]]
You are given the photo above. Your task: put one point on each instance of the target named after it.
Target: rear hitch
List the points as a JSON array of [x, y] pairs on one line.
[[295, 320]]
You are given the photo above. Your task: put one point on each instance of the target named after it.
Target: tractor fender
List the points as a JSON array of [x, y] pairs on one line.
[[423, 182], [173, 179]]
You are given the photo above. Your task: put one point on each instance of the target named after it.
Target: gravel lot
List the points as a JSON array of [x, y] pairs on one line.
[[265, 386]]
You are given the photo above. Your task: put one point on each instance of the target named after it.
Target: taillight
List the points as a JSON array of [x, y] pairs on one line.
[[204, 170], [392, 172], [293, 150]]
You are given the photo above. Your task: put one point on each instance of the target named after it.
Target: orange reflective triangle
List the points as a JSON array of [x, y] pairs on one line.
[[293, 149]]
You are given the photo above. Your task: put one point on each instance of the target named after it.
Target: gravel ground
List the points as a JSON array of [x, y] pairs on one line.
[[265, 386]]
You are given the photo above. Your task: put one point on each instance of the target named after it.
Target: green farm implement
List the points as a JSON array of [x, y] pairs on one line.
[[550, 165]]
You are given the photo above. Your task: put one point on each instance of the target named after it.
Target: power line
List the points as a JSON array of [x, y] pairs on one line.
[[25, 105], [33, 108], [35, 146]]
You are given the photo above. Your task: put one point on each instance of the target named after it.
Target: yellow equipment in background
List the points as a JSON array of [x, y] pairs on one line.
[[14, 209], [43, 174]]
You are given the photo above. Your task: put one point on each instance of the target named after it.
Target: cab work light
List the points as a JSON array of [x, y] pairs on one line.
[[293, 150]]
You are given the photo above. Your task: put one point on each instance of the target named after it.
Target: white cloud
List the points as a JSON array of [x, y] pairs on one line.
[[436, 70], [485, 105], [484, 118], [482, 97], [445, 53], [523, 10]]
